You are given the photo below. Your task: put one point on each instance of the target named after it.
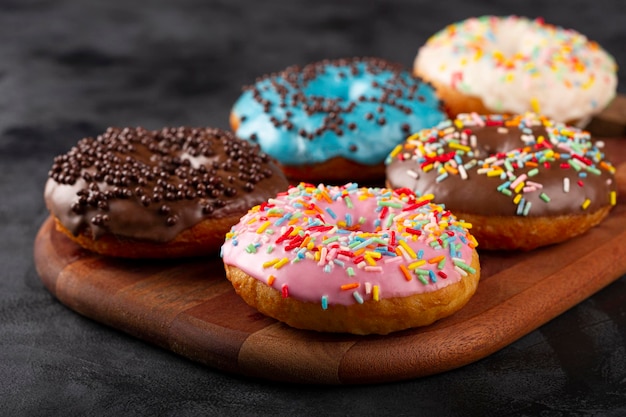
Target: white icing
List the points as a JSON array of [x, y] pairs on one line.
[[515, 65]]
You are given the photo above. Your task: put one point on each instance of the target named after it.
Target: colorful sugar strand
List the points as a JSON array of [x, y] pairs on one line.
[[401, 243], [546, 150]]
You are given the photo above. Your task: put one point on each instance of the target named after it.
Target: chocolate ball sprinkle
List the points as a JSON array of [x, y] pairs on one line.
[[291, 83], [158, 169]]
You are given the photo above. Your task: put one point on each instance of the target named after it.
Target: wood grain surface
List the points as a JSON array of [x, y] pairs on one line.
[[191, 309]]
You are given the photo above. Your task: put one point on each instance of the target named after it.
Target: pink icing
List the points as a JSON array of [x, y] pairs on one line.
[[346, 245]]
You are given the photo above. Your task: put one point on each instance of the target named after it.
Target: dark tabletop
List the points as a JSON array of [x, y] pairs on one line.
[[69, 69]]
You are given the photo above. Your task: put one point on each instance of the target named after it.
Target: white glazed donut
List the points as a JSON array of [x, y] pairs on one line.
[[513, 64]]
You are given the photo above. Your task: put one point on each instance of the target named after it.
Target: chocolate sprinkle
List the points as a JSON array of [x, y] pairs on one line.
[[180, 174], [290, 83]]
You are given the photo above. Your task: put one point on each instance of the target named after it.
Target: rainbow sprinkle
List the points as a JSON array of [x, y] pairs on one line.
[[531, 64], [402, 243], [531, 160]]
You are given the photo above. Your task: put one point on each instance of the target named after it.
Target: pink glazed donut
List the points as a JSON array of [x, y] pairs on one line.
[[352, 259]]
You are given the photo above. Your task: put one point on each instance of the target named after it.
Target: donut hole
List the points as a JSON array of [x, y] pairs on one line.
[[504, 139], [509, 39], [357, 219], [333, 86]]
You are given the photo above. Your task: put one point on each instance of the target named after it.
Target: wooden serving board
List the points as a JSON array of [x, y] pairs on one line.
[[191, 309]]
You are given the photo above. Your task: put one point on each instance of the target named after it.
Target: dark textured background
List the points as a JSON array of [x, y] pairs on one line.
[[71, 68]]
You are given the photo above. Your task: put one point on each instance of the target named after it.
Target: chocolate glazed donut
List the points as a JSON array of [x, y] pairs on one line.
[[522, 181], [172, 192]]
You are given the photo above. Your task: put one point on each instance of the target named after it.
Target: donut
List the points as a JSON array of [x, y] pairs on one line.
[[512, 65], [352, 259], [335, 120], [522, 181], [174, 192]]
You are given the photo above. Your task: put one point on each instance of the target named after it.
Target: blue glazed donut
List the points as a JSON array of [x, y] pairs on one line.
[[335, 120]]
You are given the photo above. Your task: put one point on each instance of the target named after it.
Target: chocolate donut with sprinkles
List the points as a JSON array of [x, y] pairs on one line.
[[335, 120], [174, 192], [352, 259], [522, 181]]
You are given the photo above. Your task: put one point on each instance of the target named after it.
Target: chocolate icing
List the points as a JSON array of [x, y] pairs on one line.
[[151, 185], [540, 143]]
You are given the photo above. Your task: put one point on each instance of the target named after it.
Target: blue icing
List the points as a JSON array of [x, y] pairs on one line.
[[330, 88]]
